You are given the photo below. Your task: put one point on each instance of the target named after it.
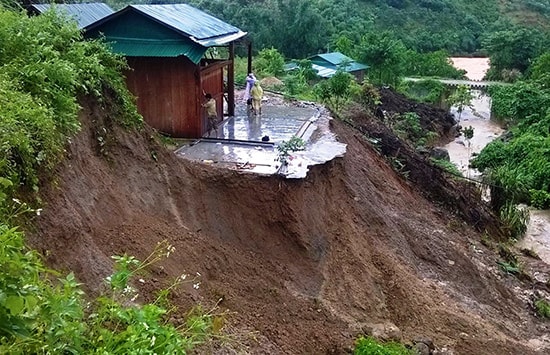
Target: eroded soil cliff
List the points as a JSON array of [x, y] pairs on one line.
[[299, 266]]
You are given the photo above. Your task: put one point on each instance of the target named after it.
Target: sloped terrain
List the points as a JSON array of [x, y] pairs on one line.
[[299, 266]]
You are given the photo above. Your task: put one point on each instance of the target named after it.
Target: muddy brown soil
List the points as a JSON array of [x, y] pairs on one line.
[[297, 266]]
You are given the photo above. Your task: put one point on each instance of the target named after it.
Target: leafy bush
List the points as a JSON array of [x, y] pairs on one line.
[[44, 66], [39, 315], [428, 90], [543, 308], [370, 346], [515, 220], [447, 166], [269, 62], [517, 166], [337, 90], [286, 147], [539, 199]]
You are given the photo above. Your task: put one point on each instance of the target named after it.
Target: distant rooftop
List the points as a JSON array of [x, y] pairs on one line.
[[83, 14], [326, 64]]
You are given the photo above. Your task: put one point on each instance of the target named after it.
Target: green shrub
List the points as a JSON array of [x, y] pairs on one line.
[[427, 90], [539, 199], [44, 66], [286, 147], [515, 220], [269, 62], [40, 315], [370, 346], [447, 166], [543, 308]]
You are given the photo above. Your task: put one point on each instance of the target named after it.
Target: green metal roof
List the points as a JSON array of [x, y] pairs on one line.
[[164, 31], [336, 59], [138, 47]]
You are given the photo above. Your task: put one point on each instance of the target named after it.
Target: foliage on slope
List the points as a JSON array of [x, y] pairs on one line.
[[299, 28], [44, 67], [519, 163]]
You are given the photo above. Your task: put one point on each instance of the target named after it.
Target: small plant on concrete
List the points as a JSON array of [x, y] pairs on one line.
[[286, 147]]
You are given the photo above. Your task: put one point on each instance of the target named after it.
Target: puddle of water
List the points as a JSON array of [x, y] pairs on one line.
[[238, 144]]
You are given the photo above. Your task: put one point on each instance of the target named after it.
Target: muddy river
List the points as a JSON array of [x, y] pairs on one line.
[[537, 237]]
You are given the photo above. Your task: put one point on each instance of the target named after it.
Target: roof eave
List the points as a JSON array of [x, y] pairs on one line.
[[219, 40]]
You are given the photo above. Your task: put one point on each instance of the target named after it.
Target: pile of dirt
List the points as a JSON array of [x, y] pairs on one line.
[[298, 266]]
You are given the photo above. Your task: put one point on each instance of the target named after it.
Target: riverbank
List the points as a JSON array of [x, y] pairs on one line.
[[537, 237]]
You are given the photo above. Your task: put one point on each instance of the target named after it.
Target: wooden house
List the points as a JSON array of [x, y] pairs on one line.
[[165, 46]]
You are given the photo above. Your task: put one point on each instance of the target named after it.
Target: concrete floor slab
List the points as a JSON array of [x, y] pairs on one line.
[[238, 144]]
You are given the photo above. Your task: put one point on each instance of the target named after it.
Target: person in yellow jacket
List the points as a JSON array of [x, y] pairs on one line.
[[257, 93], [211, 114]]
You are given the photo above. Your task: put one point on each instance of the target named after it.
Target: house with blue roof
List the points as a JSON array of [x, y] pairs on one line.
[[166, 47], [326, 65]]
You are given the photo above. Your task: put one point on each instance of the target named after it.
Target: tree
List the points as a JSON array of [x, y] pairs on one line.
[[337, 90], [384, 54], [435, 64], [540, 70], [269, 62], [299, 30], [461, 98], [513, 48]]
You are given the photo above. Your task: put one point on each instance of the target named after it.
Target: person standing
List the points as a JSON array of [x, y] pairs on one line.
[[250, 80], [211, 114], [257, 93]]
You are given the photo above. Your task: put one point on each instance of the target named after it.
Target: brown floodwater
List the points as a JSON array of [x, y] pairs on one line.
[[460, 150]]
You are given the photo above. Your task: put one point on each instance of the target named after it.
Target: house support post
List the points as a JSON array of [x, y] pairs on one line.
[[249, 57], [231, 81]]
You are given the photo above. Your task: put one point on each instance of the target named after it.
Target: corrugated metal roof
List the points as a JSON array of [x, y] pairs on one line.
[[336, 59], [323, 72], [84, 14], [134, 47], [199, 26]]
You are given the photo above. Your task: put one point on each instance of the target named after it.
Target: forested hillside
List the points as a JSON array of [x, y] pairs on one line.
[[299, 28]]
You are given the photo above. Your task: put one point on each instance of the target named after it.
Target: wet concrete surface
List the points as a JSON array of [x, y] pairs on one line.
[[239, 144]]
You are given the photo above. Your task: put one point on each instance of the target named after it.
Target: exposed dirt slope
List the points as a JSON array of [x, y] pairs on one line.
[[302, 265]]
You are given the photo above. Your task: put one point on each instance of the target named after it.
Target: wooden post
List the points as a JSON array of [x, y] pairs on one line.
[[231, 81], [249, 57]]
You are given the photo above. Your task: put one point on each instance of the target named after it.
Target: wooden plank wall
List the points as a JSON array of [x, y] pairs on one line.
[[168, 94], [212, 82]]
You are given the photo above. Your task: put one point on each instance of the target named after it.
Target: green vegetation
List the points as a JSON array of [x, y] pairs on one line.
[[45, 67], [40, 315], [299, 29], [447, 166], [285, 148], [427, 90], [517, 166], [542, 307], [337, 90], [514, 220], [460, 97], [370, 346]]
